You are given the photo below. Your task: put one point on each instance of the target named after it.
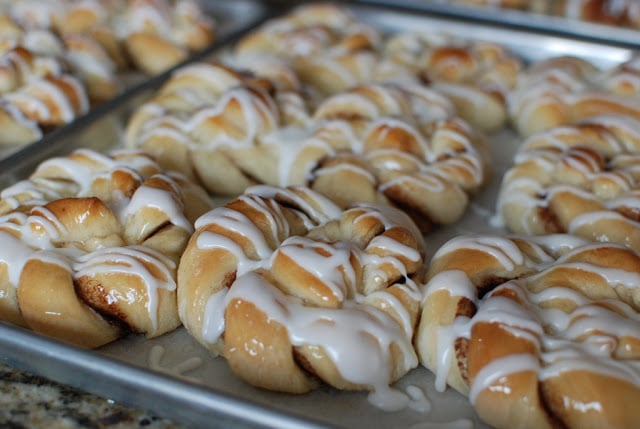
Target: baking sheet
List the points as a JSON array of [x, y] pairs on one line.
[[230, 17], [175, 377], [555, 25]]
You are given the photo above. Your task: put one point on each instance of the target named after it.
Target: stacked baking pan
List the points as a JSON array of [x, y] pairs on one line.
[[477, 129]]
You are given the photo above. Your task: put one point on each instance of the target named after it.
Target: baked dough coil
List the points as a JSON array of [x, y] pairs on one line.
[[90, 245], [476, 76], [54, 53], [149, 35], [19, 65], [332, 52], [538, 332], [622, 13], [401, 145], [41, 105], [565, 90], [302, 292], [326, 45], [580, 179], [209, 122], [47, 81], [309, 30], [395, 144], [159, 34]]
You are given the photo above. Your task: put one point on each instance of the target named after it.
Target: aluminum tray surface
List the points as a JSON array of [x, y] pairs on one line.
[[175, 377], [558, 25], [229, 17]]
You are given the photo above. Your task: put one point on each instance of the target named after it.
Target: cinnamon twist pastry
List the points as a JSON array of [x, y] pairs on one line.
[[47, 81], [537, 332], [399, 144], [90, 245], [302, 291], [565, 90], [150, 35], [40, 52], [623, 13], [19, 65], [309, 30], [159, 34], [210, 122], [581, 179], [327, 46], [39, 106], [395, 144], [93, 65], [476, 76]]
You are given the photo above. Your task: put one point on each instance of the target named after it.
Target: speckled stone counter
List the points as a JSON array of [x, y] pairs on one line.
[[31, 402]]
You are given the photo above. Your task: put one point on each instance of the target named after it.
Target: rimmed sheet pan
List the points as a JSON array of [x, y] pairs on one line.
[[175, 377]]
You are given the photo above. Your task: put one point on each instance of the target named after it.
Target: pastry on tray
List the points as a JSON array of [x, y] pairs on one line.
[[304, 292], [89, 246], [58, 59], [153, 35], [331, 51], [581, 179], [538, 332], [476, 76], [398, 144], [565, 89]]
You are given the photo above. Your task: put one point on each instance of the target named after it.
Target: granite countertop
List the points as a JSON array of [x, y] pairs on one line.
[[31, 402]]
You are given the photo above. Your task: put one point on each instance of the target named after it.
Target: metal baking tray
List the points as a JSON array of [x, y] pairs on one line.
[[173, 376], [230, 17], [540, 23]]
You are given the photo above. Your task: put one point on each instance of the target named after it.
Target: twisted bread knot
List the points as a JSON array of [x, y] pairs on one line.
[[159, 34], [93, 65], [579, 179], [47, 81], [328, 48], [625, 13], [90, 245], [19, 66], [301, 287], [49, 52], [152, 34], [566, 90], [538, 332], [40, 105], [309, 30], [394, 143], [476, 76], [212, 123], [404, 147]]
